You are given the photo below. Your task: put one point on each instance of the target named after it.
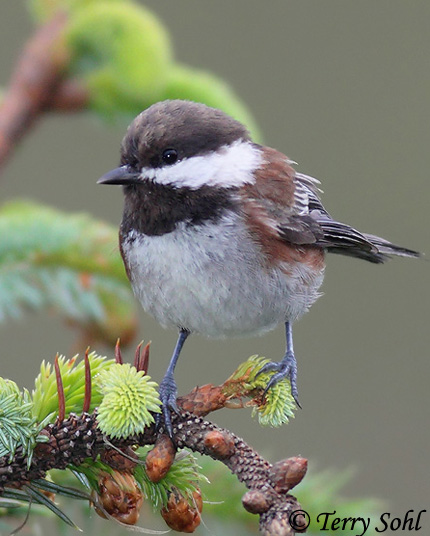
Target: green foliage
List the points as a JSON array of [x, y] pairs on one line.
[[88, 473], [45, 394], [18, 427], [279, 404], [124, 396], [68, 262], [129, 399], [122, 53]]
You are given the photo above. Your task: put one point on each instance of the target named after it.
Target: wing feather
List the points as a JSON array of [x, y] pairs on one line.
[[289, 203]]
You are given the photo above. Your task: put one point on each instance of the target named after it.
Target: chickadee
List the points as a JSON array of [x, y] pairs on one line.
[[220, 235]]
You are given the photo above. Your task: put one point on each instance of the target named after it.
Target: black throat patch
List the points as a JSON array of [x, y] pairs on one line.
[[153, 209]]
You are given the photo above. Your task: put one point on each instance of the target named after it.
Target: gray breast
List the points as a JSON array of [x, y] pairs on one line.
[[211, 279]]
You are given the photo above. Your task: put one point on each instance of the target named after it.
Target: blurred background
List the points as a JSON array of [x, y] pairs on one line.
[[343, 89]]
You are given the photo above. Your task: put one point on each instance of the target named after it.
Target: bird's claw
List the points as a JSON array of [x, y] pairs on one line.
[[168, 393], [287, 368]]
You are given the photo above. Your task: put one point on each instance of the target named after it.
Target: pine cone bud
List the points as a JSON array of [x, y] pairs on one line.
[[180, 515], [220, 444], [159, 460], [255, 502], [120, 497], [288, 473]]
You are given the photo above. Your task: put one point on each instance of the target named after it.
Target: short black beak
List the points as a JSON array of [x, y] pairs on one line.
[[121, 175]]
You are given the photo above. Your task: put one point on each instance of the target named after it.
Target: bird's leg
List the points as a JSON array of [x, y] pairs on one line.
[[287, 368], [168, 389]]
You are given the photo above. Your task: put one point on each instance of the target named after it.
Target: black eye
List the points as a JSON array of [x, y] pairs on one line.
[[169, 156]]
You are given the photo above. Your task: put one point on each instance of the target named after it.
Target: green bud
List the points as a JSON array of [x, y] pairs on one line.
[[45, 393], [130, 398], [279, 404], [122, 51]]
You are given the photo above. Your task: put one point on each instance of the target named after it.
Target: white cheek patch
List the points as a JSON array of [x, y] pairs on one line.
[[230, 166]]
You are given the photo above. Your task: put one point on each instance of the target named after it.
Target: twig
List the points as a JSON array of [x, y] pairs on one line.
[[70, 96], [203, 400], [78, 437], [38, 85]]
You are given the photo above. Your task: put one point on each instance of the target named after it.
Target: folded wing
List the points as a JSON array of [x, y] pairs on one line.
[[290, 204]]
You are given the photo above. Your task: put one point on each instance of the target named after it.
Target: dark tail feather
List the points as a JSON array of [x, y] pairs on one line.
[[344, 240], [387, 249], [375, 249]]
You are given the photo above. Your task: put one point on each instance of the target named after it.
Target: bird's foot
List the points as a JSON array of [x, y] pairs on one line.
[[168, 393], [287, 368]]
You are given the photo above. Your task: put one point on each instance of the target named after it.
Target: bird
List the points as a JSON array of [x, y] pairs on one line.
[[221, 236]]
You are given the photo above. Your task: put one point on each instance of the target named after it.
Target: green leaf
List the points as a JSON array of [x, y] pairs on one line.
[[40, 498], [58, 489], [18, 427], [69, 262]]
